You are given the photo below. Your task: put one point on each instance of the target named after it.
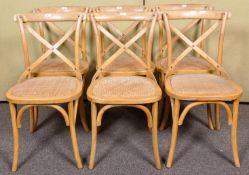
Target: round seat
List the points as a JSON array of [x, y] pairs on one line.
[[124, 90], [202, 87], [45, 90]]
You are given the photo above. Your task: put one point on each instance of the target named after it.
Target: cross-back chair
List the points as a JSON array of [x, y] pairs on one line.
[[54, 65], [193, 63], [47, 91], [198, 87], [112, 90], [124, 65]]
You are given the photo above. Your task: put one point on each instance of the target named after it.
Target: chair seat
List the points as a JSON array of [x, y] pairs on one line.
[[45, 90], [127, 65], [187, 64], [56, 66], [202, 87], [124, 90]]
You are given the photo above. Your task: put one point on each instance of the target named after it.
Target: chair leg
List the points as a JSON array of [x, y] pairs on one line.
[[35, 116], [161, 102], [165, 114], [15, 136], [174, 133], [217, 116], [155, 136], [31, 120], [73, 135], [83, 114], [234, 133], [209, 115], [94, 134]]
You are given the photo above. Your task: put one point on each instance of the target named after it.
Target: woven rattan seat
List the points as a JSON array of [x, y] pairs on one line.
[[124, 88], [45, 90], [202, 86], [187, 64], [56, 66]]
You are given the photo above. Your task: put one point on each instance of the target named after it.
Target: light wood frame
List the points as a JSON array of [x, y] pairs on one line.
[[220, 18], [25, 21], [161, 56], [97, 19], [54, 28]]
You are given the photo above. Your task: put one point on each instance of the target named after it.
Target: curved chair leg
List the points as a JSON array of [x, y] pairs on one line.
[[154, 135], [15, 137], [217, 116], [73, 135], [234, 133], [83, 114], [209, 115], [94, 134], [174, 133], [165, 116]]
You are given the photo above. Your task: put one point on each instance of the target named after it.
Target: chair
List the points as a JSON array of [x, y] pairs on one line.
[[54, 65], [193, 63], [124, 65], [109, 89], [47, 91], [197, 87]]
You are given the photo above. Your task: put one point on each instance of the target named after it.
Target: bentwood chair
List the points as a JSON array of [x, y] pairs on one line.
[[197, 87], [124, 64], [47, 91], [193, 63], [109, 89], [54, 65]]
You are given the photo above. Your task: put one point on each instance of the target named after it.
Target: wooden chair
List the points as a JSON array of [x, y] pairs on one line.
[[193, 63], [124, 64], [197, 87], [54, 65], [110, 90], [47, 91]]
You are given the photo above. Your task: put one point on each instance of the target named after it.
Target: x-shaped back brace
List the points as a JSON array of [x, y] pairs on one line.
[[122, 35], [163, 47], [123, 47], [51, 48], [194, 46]]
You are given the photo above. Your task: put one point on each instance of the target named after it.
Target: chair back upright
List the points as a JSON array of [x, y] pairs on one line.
[[125, 34], [216, 21], [192, 25], [123, 46], [52, 28], [27, 23]]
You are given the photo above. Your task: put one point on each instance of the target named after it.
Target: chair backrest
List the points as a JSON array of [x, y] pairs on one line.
[[122, 35], [53, 28], [216, 21], [191, 25], [27, 26], [100, 19]]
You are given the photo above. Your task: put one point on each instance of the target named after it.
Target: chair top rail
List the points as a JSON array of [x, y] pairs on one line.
[[123, 16], [185, 6], [45, 17], [61, 9], [132, 8], [196, 14]]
